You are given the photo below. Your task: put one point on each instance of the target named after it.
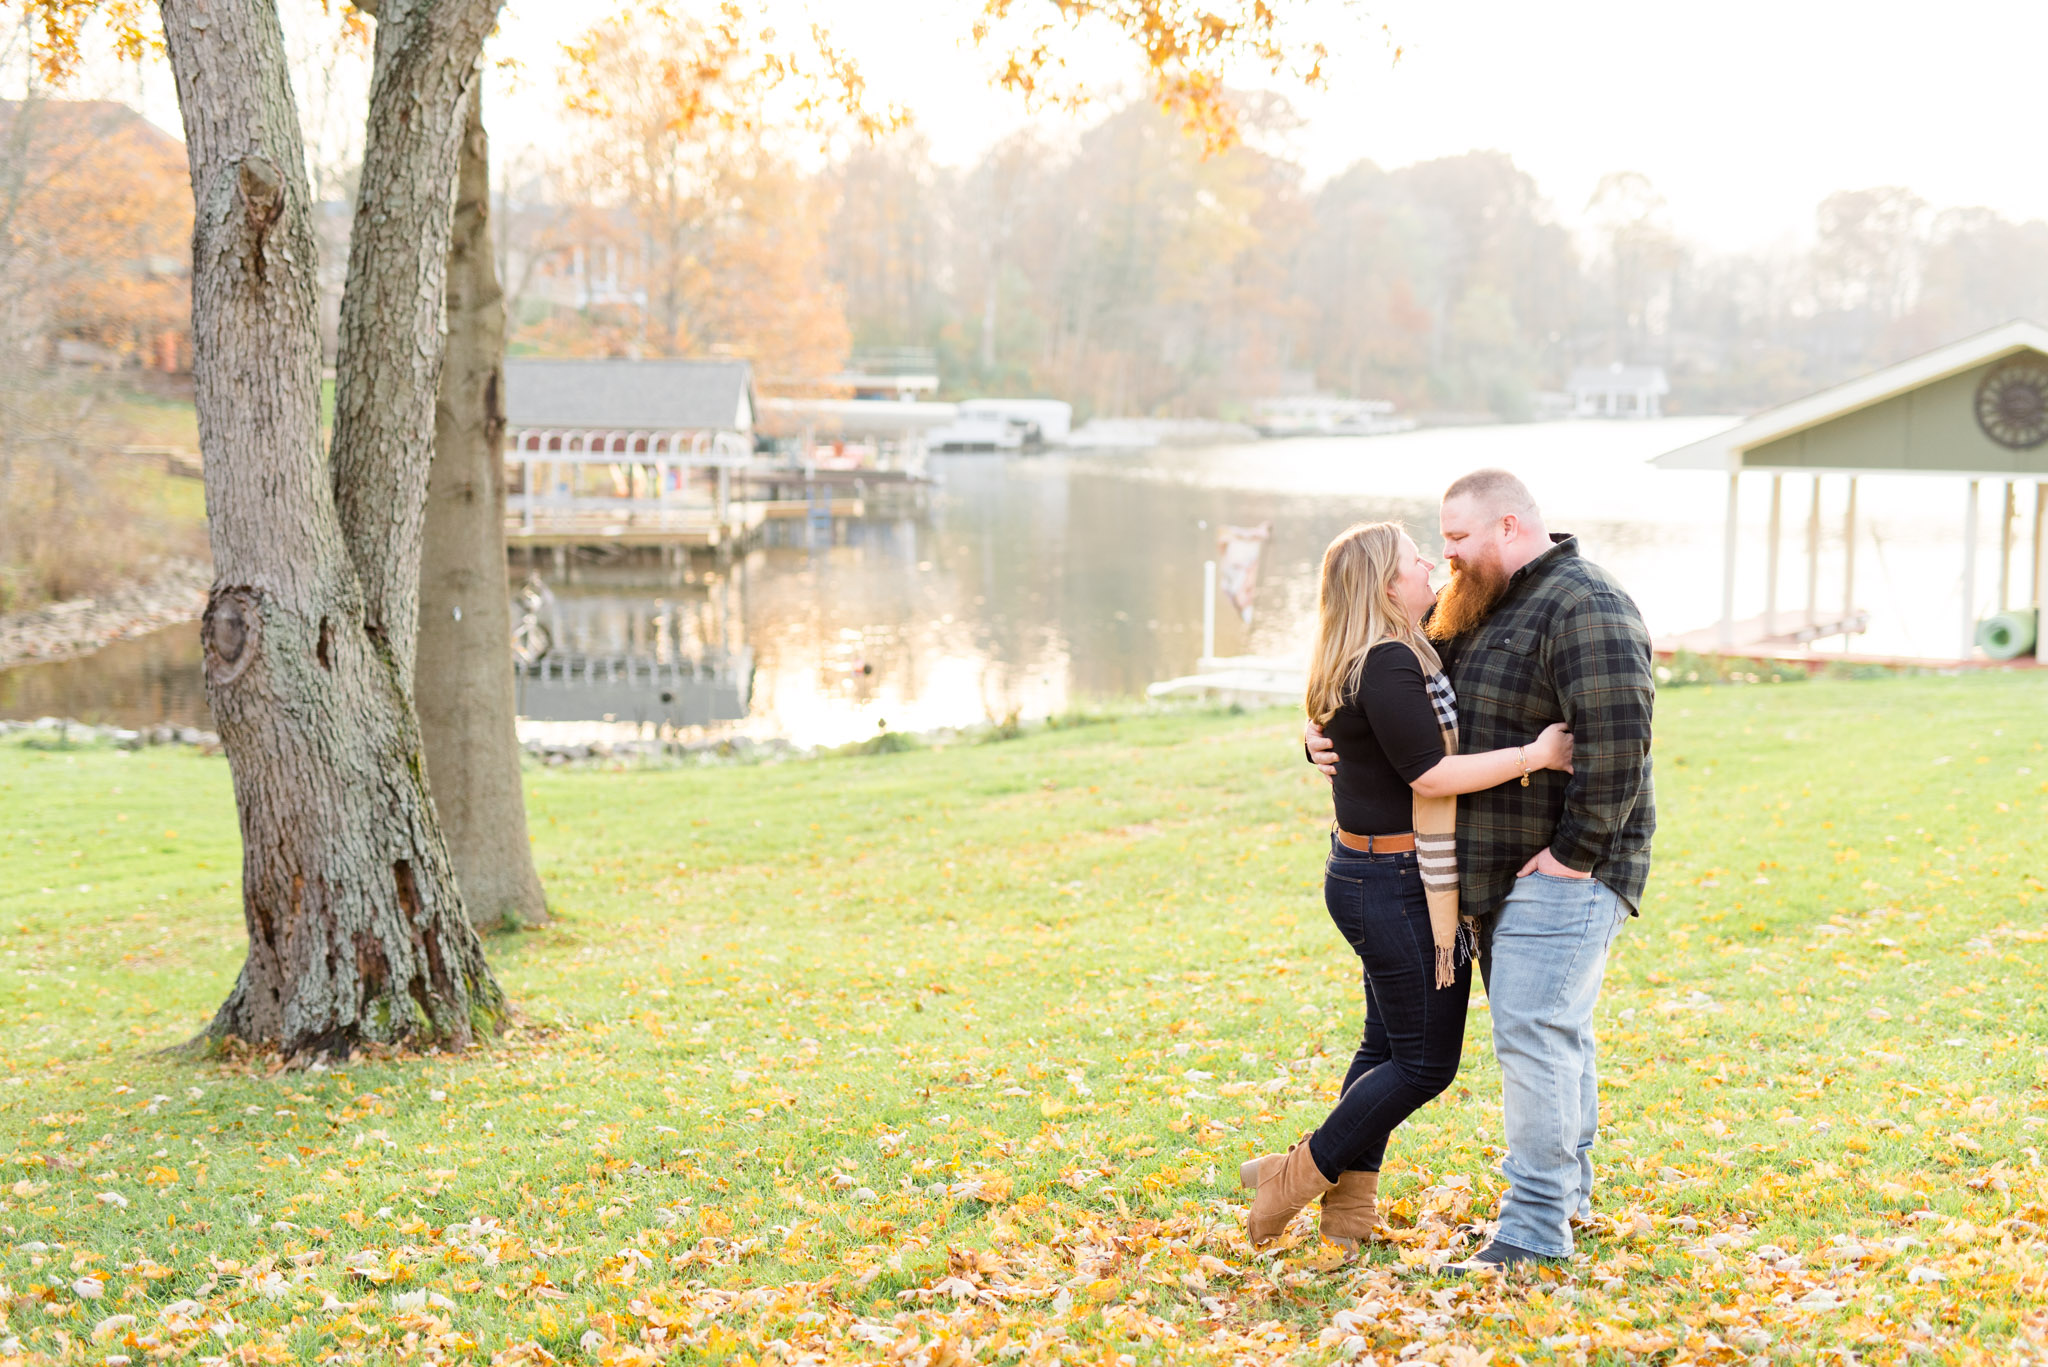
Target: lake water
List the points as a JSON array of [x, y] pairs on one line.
[[1036, 583]]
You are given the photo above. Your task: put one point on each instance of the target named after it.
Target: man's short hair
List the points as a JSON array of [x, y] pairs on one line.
[[1496, 492]]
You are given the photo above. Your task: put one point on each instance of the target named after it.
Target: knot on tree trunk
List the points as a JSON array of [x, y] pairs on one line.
[[262, 187], [231, 632]]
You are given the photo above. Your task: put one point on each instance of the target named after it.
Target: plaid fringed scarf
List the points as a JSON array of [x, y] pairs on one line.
[[1436, 847]]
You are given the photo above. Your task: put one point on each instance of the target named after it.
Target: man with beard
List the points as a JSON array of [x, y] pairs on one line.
[[1532, 633]]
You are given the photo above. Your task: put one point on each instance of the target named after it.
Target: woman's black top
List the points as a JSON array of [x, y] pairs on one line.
[[1387, 736]]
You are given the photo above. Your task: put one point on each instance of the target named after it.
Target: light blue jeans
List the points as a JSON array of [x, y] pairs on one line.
[[1543, 954]]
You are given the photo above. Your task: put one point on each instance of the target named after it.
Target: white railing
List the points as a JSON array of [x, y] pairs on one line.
[[544, 464]]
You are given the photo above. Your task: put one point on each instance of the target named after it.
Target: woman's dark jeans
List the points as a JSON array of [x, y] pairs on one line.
[[1414, 1030]]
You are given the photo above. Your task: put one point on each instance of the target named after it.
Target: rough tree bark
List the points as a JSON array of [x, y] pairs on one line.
[[357, 931], [464, 687], [388, 367]]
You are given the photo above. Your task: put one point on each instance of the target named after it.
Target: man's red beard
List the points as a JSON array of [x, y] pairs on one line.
[[1464, 603]]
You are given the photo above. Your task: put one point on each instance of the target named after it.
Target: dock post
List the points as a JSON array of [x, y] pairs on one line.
[[1725, 637], [1970, 572], [1813, 559], [2011, 515], [725, 635], [1771, 557], [1849, 567], [2040, 563], [1208, 609]]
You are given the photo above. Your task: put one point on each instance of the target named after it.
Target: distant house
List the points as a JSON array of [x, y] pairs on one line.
[[97, 204], [889, 386], [1618, 391], [672, 408], [571, 257]]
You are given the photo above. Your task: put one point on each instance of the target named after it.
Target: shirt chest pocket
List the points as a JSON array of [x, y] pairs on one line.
[[1514, 667], [1516, 641]]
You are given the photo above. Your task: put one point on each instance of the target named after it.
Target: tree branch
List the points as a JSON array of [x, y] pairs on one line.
[[391, 341]]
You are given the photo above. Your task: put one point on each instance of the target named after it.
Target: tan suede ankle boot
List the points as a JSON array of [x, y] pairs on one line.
[[1351, 1209], [1253, 1171], [1283, 1191]]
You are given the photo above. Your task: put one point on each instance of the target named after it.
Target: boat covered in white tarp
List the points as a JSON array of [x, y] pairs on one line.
[[1005, 425], [1315, 415]]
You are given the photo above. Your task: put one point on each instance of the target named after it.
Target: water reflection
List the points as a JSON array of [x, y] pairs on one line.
[[151, 679], [619, 652], [1032, 584]]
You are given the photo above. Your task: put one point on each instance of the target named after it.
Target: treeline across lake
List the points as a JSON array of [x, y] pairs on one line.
[[1128, 273], [1121, 268]]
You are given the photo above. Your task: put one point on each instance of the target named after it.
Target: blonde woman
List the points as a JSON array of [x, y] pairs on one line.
[[1377, 689]]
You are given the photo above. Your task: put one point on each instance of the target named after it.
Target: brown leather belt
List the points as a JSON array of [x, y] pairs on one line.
[[1403, 843]]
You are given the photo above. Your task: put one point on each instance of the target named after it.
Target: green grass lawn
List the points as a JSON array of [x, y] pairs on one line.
[[951, 1055], [84, 524], [147, 418]]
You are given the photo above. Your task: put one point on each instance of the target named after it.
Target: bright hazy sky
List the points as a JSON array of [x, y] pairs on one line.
[[1744, 113]]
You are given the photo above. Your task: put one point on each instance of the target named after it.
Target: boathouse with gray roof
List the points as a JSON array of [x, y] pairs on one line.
[[627, 452], [1974, 411], [704, 403]]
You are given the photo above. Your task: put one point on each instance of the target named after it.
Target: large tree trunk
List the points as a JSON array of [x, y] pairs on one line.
[[464, 689], [356, 929]]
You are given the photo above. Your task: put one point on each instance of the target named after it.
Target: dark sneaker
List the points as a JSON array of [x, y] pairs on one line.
[[1495, 1257]]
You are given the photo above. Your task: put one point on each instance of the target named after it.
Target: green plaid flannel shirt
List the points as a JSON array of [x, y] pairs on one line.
[[1564, 643]]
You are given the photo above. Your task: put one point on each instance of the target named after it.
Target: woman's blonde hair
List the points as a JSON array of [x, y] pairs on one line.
[[1357, 608]]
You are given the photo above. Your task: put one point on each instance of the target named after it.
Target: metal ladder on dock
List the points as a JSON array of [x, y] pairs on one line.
[[818, 518]]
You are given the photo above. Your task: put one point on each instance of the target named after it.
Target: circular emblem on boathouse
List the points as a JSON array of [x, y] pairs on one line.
[[2012, 403]]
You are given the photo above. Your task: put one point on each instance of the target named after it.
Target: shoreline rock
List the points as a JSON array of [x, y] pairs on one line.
[[662, 753], [63, 631], [63, 733]]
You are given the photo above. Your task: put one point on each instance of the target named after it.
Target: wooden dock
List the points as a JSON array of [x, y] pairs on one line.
[[1815, 663], [795, 480], [694, 528], [1248, 679], [1757, 638], [1762, 635], [651, 525], [788, 509]]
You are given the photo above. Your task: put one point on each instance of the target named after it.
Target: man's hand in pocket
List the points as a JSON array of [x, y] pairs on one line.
[[1548, 863]]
